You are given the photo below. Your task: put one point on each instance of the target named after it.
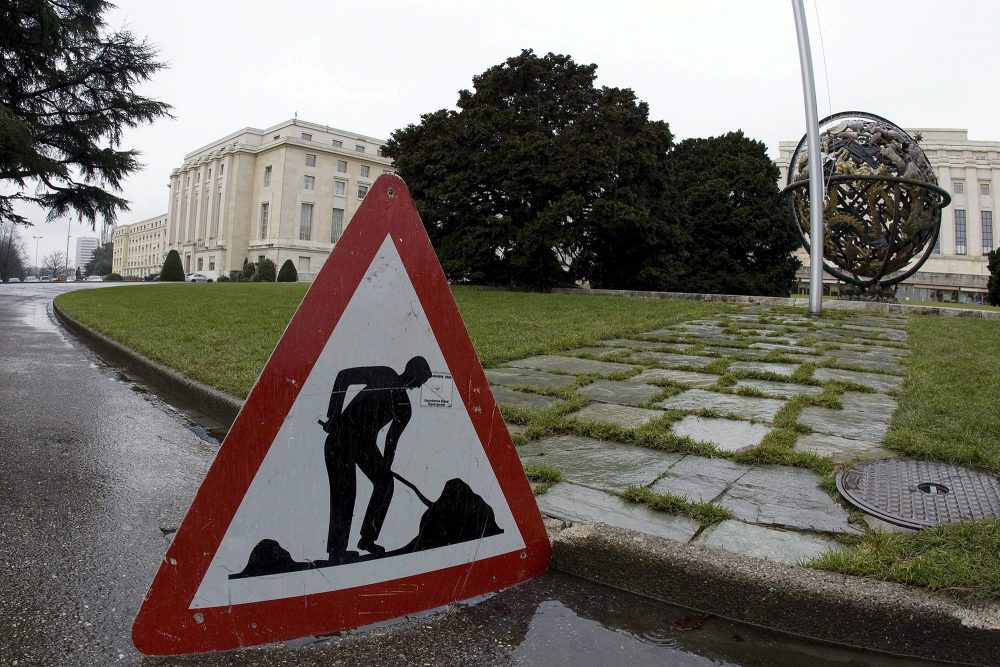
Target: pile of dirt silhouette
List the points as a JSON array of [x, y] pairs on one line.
[[458, 515]]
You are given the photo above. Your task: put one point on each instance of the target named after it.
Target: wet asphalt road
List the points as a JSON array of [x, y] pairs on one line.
[[95, 472]]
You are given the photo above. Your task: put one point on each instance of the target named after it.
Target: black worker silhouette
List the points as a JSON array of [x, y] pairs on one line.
[[458, 515], [352, 441]]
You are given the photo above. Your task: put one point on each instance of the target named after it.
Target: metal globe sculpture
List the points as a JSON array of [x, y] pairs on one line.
[[882, 211]]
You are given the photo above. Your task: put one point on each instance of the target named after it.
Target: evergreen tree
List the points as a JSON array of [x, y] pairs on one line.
[[100, 260], [541, 177], [288, 274], [248, 271], [739, 239], [265, 271], [66, 99], [172, 269], [993, 285]]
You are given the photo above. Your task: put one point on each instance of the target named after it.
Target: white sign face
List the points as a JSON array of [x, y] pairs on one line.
[[369, 474], [436, 392]]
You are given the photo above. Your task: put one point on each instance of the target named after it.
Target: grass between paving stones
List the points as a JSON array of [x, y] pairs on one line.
[[948, 402], [543, 476], [222, 334], [704, 513], [962, 559]]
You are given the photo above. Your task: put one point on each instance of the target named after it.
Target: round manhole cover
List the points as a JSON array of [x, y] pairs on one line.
[[918, 494]]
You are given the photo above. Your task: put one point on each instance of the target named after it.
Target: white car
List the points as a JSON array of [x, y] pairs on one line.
[[196, 278], [95, 279], [15, 280], [31, 279]]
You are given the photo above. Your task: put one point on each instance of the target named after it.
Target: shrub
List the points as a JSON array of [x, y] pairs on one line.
[[234, 276], [113, 278], [172, 269], [265, 271], [248, 270], [223, 278], [993, 295], [288, 274]]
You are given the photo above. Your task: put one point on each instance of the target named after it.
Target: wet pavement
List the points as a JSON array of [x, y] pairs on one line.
[[96, 473]]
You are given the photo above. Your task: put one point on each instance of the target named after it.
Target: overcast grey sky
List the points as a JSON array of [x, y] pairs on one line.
[[704, 67]]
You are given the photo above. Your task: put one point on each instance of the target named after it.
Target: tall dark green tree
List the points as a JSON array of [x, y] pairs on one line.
[[739, 238], [66, 97], [265, 271], [172, 269], [993, 284], [539, 176], [100, 260], [288, 274]]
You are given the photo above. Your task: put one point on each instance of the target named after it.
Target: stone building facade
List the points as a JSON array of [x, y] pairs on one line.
[[285, 192], [970, 171], [138, 249]]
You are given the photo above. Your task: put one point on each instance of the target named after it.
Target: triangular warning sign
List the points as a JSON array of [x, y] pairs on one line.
[[369, 474]]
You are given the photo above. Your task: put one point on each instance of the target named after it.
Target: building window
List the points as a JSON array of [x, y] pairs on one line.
[[310, 160], [260, 258], [267, 176], [201, 263], [960, 248], [222, 169], [265, 208], [310, 182], [359, 148], [304, 264], [341, 166], [365, 171], [378, 151], [307, 137], [986, 217], [306, 222], [337, 143], [337, 228], [210, 173], [362, 191], [937, 244], [197, 177], [211, 263], [984, 188], [959, 187], [340, 188], [980, 157]]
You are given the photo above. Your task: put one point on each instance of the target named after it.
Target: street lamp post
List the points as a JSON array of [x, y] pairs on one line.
[[36, 253]]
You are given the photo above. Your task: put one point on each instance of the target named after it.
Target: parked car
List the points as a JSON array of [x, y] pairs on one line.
[[45, 279], [14, 280], [31, 279], [196, 278], [95, 279]]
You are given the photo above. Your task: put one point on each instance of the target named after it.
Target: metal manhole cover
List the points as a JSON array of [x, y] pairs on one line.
[[919, 494]]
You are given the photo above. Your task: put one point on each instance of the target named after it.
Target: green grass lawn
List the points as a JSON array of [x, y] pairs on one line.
[[222, 334]]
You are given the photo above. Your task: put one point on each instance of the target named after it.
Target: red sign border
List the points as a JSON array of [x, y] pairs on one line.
[[166, 626]]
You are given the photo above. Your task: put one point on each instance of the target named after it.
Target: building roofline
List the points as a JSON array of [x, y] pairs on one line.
[[288, 123]]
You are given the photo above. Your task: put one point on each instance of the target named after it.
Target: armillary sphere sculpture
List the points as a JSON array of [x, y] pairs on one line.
[[882, 212]]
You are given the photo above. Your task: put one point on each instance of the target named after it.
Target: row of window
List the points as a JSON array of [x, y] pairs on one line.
[[305, 222], [197, 175], [311, 162], [958, 187], [337, 143], [339, 187], [961, 245]]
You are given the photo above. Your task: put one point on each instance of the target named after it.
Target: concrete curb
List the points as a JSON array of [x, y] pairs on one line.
[[214, 403], [867, 613], [860, 306], [841, 609]]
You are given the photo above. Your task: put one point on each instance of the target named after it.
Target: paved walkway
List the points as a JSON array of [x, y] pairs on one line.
[[721, 383]]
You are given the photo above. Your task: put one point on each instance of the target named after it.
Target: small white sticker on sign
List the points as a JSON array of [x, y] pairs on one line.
[[436, 392]]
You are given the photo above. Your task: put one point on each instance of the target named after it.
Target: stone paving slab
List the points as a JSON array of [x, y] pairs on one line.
[[569, 365], [579, 504], [622, 393], [775, 389], [749, 407], [527, 377], [728, 435], [850, 356], [621, 415], [841, 449], [881, 349], [522, 399], [690, 378], [787, 497], [886, 333], [781, 347], [864, 417], [600, 464], [700, 479], [670, 359], [785, 370], [776, 545], [598, 351], [734, 351], [632, 344], [876, 381], [872, 365]]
